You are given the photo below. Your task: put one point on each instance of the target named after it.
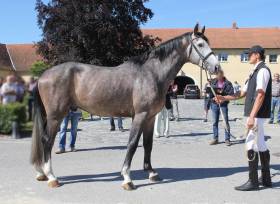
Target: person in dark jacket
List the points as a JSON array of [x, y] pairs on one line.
[[222, 87], [174, 111], [162, 119], [258, 92], [207, 100]]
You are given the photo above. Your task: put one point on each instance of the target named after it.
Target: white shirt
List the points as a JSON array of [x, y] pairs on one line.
[[262, 79], [7, 88]]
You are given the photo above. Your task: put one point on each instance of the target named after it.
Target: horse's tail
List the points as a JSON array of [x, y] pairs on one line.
[[39, 130]]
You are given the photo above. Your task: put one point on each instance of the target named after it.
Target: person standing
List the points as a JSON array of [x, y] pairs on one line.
[[9, 90], [275, 103], [1, 83], [30, 89], [73, 115], [120, 124], [223, 87], [207, 100], [20, 89], [173, 89], [236, 88], [258, 92], [161, 127]]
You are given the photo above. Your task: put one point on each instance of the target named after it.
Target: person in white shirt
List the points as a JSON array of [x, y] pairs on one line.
[[9, 90], [236, 88], [257, 108]]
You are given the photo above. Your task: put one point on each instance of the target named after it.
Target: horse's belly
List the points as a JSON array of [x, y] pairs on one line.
[[107, 95], [108, 106]]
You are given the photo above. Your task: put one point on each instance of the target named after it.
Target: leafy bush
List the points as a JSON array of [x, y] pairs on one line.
[[9, 113], [37, 68]]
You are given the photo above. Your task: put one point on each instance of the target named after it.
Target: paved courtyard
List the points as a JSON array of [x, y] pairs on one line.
[[192, 171]]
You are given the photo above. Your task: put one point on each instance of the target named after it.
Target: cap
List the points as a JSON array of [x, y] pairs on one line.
[[256, 49]]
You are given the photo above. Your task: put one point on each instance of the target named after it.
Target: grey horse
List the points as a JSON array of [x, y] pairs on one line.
[[136, 89]]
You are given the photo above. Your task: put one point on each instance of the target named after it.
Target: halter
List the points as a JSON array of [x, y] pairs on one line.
[[202, 58]]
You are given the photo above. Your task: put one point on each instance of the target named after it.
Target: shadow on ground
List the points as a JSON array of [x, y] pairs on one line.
[[169, 175], [193, 134], [121, 147]]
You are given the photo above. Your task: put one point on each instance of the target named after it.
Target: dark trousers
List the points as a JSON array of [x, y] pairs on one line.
[[30, 108], [112, 122], [216, 116]]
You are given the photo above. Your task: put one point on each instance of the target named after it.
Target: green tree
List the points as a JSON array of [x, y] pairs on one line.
[[101, 32], [37, 68]]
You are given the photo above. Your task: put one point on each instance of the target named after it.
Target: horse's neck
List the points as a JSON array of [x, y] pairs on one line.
[[168, 68]]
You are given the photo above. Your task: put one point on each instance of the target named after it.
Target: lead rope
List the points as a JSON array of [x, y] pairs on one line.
[[226, 126]]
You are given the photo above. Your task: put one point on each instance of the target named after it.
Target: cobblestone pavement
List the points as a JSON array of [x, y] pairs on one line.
[[192, 171]]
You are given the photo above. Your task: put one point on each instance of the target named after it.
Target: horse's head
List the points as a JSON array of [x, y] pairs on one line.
[[199, 51]]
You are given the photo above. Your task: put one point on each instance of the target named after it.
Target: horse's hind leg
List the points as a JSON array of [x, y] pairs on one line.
[[40, 174], [135, 133], [52, 128], [148, 132]]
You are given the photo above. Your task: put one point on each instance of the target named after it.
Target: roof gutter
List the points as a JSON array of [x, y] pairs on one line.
[[11, 58]]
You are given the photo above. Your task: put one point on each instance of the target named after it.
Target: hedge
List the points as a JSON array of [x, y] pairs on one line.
[[9, 113]]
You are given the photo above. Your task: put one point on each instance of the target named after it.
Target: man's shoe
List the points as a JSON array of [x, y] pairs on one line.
[[60, 151], [228, 143], [213, 142], [73, 149], [172, 119], [205, 120], [112, 129], [265, 179], [248, 186], [252, 184], [270, 122]]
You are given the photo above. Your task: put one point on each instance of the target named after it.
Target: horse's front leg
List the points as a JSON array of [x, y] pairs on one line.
[[135, 133], [148, 132]]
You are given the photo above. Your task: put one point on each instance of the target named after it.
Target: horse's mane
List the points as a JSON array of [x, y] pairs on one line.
[[164, 49]]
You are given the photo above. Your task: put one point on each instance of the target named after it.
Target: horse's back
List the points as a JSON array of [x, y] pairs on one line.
[[99, 90]]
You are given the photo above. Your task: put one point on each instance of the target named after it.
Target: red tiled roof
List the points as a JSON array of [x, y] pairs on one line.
[[227, 38], [5, 63], [23, 55]]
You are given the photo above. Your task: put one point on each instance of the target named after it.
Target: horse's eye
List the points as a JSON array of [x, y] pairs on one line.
[[200, 45]]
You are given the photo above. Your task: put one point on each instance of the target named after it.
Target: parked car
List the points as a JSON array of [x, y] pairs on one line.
[[192, 92]]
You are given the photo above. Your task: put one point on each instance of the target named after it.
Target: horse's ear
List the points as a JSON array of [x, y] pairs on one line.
[[195, 30], [203, 30]]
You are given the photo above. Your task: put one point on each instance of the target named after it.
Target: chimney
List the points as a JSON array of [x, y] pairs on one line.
[[234, 25]]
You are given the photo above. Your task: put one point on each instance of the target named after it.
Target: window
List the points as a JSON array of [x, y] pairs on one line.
[[223, 57], [273, 58], [244, 57]]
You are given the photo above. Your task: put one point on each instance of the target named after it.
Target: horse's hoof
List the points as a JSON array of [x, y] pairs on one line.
[[42, 178], [128, 186], [53, 184], [155, 178]]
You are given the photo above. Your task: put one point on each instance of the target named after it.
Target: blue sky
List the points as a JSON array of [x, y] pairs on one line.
[[18, 22]]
